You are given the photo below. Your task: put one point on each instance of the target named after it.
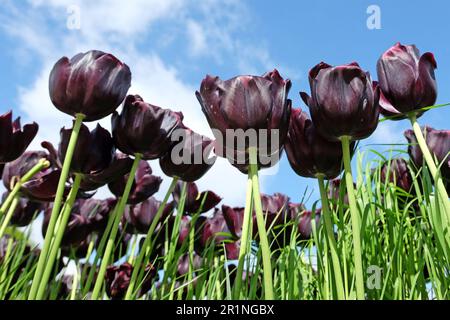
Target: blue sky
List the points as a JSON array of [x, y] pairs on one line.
[[170, 45]]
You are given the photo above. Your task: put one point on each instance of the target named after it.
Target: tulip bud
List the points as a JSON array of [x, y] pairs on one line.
[[144, 128], [92, 83], [194, 198], [188, 159], [310, 154], [342, 102], [250, 107], [407, 81]]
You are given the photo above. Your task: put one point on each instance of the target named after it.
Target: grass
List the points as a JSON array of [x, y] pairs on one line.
[[405, 252]]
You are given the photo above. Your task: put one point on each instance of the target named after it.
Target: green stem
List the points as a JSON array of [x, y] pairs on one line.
[[112, 236], [431, 165], [42, 164], [65, 215], [243, 250], [9, 215], [356, 226], [147, 241], [56, 205], [331, 240], [264, 242]]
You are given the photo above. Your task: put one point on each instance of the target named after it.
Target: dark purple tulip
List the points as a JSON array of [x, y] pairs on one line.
[[13, 139], [2, 166], [120, 166], [77, 227], [342, 102], [247, 103], [304, 223], [232, 249], [183, 232], [406, 79], [234, 218], [144, 186], [139, 217], [25, 211], [94, 151], [397, 172], [183, 264], [438, 142], [194, 198], [188, 159], [117, 280], [92, 83], [97, 212], [144, 128], [310, 154], [211, 230], [275, 209]]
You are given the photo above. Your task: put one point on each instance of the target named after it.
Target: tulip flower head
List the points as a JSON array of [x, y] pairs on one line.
[[92, 83], [13, 138], [343, 101], [407, 81]]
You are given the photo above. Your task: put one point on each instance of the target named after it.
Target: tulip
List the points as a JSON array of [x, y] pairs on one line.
[[120, 166], [2, 166], [310, 154], [94, 151], [142, 128], [13, 139], [211, 230], [187, 158], [183, 264], [407, 81], [139, 217], [144, 186], [305, 223], [342, 102], [234, 218], [194, 198], [183, 230], [25, 211], [117, 280], [92, 83], [97, 212], [344, 107], [248, 103], [397, 172]]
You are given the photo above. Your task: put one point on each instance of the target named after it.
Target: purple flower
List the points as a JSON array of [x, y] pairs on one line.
[[13, 139], [144, 128], [247, 103], [310, 154], [92, 83], [187, 159], [406, 79], [194, 198], [342, 102], [144, 186], [25, 211]]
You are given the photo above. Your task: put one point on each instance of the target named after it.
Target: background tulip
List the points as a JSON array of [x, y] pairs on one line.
[[25, 211], [211, 230], [92, 83], [342, 102], [247, 102], [406, 80], [144, 128], [144, 186], [13, 139], [187, 158], [310, 154], [194, 198]]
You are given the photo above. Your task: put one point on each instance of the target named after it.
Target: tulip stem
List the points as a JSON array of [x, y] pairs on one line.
[[340, 292], [56, 205], [147, 242], [118, 213], [264, 242], [42, 164], [8, 216], [431, 165], [243, 250], [356, 226], [65, 215]]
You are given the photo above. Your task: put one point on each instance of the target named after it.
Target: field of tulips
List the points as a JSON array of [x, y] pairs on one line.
[[380, 230]]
